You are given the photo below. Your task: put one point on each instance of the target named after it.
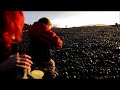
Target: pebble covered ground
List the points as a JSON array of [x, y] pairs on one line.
[[87, 53]]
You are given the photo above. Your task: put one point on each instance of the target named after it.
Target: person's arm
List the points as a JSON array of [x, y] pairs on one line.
[[14, 61], [57, 42]]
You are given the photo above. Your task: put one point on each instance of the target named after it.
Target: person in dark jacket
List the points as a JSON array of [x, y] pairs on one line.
[[42, 42]]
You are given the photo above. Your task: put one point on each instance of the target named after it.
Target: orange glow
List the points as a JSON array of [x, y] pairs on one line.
[[11, 24]]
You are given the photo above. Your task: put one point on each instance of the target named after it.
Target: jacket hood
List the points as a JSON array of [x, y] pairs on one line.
[[37, 28]]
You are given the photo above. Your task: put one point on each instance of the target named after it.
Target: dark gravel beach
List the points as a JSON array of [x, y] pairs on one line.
[[87, 53]]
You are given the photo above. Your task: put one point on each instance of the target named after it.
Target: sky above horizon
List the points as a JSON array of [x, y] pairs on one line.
[[74, 18]]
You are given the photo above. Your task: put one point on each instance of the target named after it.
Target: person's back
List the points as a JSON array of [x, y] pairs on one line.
[[42, 41], [39, 51]]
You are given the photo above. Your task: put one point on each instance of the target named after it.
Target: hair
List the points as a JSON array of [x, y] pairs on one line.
[[11, 23], [38, 26], [45, 21]]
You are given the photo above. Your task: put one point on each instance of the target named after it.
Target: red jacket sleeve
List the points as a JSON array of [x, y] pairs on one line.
[[56, 40]]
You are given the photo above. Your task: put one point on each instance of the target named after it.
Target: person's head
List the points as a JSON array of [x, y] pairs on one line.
[[46, 21], [11, 26]]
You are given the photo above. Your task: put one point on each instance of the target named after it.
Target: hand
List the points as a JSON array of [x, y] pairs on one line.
[[22, 61]]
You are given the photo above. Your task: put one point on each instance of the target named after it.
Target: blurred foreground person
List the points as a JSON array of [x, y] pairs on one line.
[[11, 62], [42, 41]]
